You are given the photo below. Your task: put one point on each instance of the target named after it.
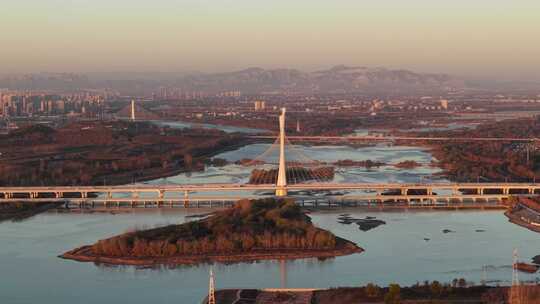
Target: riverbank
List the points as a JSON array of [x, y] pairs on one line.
[[156, 173], [524, 212], [85, 254], [111, 153], [20, 211], [430, 292]]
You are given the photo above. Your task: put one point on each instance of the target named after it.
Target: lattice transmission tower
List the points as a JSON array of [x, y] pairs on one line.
[[515, 289], [211, 288]]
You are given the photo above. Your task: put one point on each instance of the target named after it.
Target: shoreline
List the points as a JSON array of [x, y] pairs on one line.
[[25, 211], [124, 179], [82, 254], [458, 291], [516, 220], [115, 154]]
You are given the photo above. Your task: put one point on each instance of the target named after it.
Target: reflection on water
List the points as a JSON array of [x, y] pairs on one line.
[[381, 153], [233, 173], [395, 252]]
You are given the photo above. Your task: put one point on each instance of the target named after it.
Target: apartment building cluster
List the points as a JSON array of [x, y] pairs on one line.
[[175, 93], [21, 104]]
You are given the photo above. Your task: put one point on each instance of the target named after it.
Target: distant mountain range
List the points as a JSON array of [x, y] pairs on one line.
[[338, 79]]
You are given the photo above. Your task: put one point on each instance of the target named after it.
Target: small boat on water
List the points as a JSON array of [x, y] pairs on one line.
[[528, 268], [525, 212]]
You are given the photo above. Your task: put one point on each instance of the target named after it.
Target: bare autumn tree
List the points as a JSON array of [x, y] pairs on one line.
[[249, 226]]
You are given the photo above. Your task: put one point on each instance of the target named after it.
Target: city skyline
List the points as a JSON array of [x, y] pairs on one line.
[[482, 39]]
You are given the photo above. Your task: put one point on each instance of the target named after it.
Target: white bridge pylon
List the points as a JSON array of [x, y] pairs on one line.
[[281, 189], [132, 110], [293, 166]]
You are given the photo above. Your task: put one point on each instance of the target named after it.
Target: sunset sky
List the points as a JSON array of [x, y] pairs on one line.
[[476, 38]]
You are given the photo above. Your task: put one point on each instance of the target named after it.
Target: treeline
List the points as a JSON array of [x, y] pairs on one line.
[[491, 160], [97, 153], [459, 291], [250, 226]]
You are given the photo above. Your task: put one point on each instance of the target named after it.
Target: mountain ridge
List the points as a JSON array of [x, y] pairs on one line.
[[258, 80]]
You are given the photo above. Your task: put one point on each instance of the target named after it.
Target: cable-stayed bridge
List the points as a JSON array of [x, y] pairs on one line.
[[297, 175]]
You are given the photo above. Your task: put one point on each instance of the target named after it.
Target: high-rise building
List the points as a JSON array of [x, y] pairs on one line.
[[444, 104], [260, 105]]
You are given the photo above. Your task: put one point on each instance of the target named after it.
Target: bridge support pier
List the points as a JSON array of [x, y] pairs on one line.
[[186, 199]]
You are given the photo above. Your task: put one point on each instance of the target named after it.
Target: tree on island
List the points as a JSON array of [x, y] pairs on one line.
[[372, 290], [393, 296], [436, 288], [265, 225]]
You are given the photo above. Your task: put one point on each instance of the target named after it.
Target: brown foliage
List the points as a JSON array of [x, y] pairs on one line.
[[265, 224], [493, 160]]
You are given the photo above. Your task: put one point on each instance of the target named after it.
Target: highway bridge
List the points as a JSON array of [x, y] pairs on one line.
[[397, 138], [160, 190], [308, 194]]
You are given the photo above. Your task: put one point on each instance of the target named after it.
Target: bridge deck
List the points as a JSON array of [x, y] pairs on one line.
[[477, 195], [250, 187]]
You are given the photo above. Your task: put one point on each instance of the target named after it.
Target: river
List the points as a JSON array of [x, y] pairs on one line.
[[411, 247], [227, 129]]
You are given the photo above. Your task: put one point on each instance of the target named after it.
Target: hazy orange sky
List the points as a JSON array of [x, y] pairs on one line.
[[499, 38]]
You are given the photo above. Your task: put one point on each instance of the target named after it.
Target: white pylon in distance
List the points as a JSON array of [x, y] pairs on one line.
[[281, 184], [132, 110]]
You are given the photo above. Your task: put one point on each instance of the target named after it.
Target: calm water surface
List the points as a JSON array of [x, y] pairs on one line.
[[30, 271], [396, 252], [228, 129]]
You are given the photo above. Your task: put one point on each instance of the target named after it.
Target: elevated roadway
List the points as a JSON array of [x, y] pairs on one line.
[[430, 194], [394, 138], [161, 189]]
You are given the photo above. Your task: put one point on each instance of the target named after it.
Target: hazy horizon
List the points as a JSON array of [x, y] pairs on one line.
[[496, 39]]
